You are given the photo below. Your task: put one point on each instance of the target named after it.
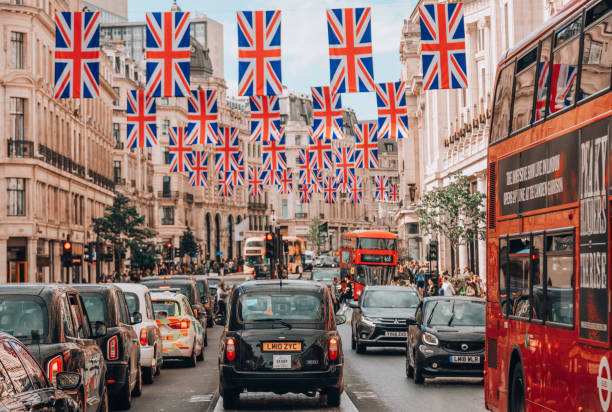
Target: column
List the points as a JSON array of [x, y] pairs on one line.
[[31, 256], [3, 262]]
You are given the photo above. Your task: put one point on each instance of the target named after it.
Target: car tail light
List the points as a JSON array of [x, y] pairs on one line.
[[185, 324], [112, 348], [144, 337], [230, 349], [333, 349], [54, 366]]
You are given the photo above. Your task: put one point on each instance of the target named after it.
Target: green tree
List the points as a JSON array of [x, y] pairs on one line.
[[123, 227], [454, 212], [144, 255], [315, 233], [188, 244]]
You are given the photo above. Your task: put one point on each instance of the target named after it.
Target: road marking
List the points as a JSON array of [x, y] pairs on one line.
[[346, 405], [365, 395], [201, 398]]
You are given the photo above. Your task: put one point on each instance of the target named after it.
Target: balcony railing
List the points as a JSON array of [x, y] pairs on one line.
[[257, 206], [167, 221], [118, 145], [188, 197], [20, 148], [168, 195], [302, 215]]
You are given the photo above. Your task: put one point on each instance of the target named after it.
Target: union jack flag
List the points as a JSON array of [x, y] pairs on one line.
[[443, 46], [542, 92], [305, 193], [202, 117], [392, 110], [345, 168], [306, 164], [284, 179], [227, 150], [179, 149], [259, 53], [382, 184], [366, 146], [168, 54], [356, 192], [330, 189], [265, 118], [226, 188], [274, 156], [321, 151], [198, 175], [141, 120], [350, 50], [257, 178], [77, 55], [393, 194], [317, 183], [237, 175], [563, 80], [326, 113]]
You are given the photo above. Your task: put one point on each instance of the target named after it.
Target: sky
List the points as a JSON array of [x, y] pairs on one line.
[[304, 44]]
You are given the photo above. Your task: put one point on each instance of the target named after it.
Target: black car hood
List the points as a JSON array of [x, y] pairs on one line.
[[400, 313], [458, 333]]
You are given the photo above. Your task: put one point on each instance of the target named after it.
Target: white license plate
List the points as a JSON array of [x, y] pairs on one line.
[[396, 334], [465, 359], [281, 361]]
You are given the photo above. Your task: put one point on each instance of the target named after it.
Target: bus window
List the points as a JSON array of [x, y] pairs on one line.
[[518, 277], [523, 90], [503, 270], [560, 278], [597, 55], [501, 105], [564, 69], [543, 79], [537, 280]]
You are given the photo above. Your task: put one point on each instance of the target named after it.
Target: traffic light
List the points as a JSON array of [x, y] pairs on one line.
[[286, 246], [88, 253], [67, 253], [169, 251], [270, 245], [432, 255]]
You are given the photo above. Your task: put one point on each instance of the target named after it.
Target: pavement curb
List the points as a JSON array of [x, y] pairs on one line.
[[213, 402]]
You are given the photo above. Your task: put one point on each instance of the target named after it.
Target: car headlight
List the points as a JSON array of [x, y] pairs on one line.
[[369, 321], [430, 339]]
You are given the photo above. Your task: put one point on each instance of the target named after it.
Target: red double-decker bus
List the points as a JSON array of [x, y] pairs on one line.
[[548, 299], [368, 257]]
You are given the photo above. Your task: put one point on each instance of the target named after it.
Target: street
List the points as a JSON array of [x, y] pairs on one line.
[[375, 381]]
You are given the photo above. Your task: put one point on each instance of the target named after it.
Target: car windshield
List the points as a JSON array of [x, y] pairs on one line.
[[132, 302], [96, 309], [455, 313], [183, 289], [377, 244], [171, 308], [255, 243], [390, 299], [291, 306], [325, 275], [24, 317]]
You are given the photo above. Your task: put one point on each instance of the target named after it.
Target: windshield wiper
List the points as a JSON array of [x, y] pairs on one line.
[[431, 314], [452, 315], [279, 320]]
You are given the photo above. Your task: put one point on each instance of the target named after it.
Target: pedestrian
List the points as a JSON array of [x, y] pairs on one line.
[[432, 289], [420, 280], [447, 288]]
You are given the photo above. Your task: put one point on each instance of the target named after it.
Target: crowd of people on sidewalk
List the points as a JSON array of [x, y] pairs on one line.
[[435, 283]]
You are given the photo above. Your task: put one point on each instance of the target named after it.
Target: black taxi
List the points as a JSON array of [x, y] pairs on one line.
[[51, 320], [281, 337]]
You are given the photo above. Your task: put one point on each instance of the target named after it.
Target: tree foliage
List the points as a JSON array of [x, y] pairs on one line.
[[454, 212], [188, 244], [315, 233], [123, 227]]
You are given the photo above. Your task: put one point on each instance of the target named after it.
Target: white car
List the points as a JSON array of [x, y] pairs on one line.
[[138, 299], [182, 336]]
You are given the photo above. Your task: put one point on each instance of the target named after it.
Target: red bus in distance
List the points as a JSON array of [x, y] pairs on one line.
[[548, 216]]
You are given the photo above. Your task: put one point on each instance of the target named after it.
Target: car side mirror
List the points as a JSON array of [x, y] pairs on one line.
[[340, 319], [136, 318], [100, 330], [354, 304], [67, 381]]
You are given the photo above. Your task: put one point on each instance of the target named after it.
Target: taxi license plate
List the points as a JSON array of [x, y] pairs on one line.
[[465, 359], [281, 362], [396, 334], [282, 346]]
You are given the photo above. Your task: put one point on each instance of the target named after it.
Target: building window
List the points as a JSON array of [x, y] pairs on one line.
[[164, 101], [298, 140], [285, 211], [283, 119], [166, 156], [17, 118], [117, 91], [596, 64], [16, 197], [17, 2], [167, 215], [117, 134], [413, 228], [389, 147], [17, 50], [165, 126], [166, 186], [117, 171]]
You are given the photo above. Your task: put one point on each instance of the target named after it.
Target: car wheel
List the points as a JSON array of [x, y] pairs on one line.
[[209, 322], [148, 375], [205, 339], [138, 386], [409, 368], [418, 372], [517, 390], [361, 347], [333, 397], [158, 366], [353, 343], [103, 407], [124, 400], [200, 357], [190, 362], [230, 399]]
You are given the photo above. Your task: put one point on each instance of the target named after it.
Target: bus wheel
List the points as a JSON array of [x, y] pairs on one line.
[[517, 390]]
